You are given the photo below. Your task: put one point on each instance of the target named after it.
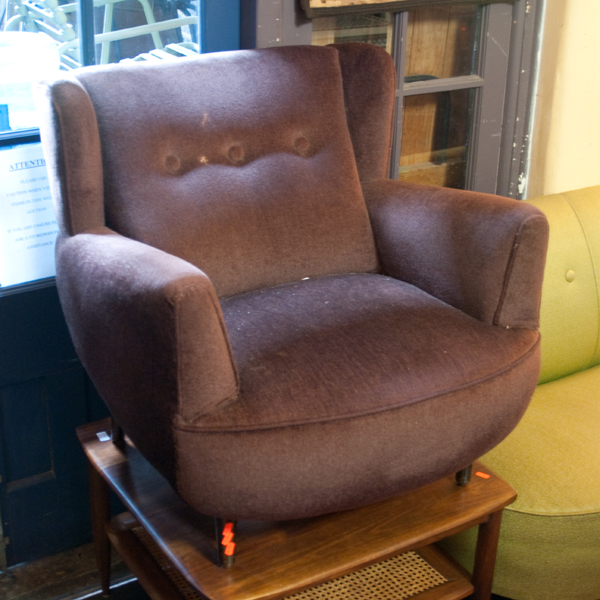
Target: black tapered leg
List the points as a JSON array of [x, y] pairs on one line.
[[117, 434], [464, 475], [225, 533]]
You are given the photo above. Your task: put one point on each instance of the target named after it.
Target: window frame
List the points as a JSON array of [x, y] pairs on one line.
[[489, 95], [505, 82]]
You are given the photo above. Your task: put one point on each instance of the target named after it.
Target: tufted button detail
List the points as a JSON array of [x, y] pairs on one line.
[[570, 275], [172, 163], [236, 153], [301, 144]]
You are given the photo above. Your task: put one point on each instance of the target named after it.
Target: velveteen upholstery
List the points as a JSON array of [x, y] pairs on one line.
[[370, 98], [550, 539], [280, 330], [262, 119]]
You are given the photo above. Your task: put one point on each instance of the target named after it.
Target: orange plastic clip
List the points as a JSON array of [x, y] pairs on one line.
[[227, 540], [482, 475], [229, 549]]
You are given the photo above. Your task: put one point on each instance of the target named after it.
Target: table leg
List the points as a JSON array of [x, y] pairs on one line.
[[100, 507], [485, 556]]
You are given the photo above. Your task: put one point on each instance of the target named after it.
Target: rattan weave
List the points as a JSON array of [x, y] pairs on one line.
[[398, 578]]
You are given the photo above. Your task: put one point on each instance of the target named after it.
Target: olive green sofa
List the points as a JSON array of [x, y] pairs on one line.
[[550, 541]]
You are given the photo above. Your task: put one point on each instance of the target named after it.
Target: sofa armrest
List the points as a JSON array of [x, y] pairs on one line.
[[149, 330], [480, 253]]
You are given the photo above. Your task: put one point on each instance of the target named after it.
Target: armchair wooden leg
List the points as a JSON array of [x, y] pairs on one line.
[[485, 556], [225, 533], [117, 434], [100, 507], [464, 475]]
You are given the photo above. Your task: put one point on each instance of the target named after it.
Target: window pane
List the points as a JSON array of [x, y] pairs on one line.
[[162, 22], [24, 58], [36, 37], [373, 29], [435, 133], [442, 42]]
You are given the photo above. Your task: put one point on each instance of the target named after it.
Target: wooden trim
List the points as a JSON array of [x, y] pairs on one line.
[[485, 556], [150, 575], [326, 8], [100, 512], [432, 86]]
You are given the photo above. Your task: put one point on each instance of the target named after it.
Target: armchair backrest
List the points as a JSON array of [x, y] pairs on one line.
[[240, 163]]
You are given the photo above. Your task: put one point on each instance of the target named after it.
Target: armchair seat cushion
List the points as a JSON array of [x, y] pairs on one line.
[[336, 372]]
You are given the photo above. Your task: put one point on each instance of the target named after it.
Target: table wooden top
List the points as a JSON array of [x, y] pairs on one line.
[[316, 550]]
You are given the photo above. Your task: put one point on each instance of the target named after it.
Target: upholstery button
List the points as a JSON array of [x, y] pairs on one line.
[[301, 144], [570, 275], [172, 163], [236, 153]]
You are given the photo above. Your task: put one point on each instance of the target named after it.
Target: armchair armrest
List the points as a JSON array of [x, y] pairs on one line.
[[480, 253], [149, 330]]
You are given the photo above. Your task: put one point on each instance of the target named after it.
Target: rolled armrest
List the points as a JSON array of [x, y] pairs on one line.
[[480, 253], [149, 330]]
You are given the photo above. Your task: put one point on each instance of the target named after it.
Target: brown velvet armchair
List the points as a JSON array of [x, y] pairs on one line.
[[282, 331]]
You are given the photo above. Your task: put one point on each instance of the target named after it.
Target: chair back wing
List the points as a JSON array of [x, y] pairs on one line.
[[369, 78], [240, 163], [71, 143]]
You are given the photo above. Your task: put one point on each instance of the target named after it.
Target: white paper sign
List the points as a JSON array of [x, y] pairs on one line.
[[28, 226]]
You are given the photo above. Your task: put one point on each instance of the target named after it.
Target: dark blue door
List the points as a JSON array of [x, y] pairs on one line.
[[44, 395]]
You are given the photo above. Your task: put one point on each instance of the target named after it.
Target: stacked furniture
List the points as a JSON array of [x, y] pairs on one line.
[[281, 331]]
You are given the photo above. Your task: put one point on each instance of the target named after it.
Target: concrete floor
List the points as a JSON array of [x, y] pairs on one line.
[[67, 576]]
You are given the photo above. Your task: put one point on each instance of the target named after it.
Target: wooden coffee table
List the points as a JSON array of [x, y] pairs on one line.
[[172, 549]]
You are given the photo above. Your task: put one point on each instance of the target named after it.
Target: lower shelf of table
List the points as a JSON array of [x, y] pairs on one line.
[[424, 574]]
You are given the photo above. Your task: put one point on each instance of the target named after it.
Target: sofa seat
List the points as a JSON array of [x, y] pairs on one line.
[[327, 388], [557, 511]]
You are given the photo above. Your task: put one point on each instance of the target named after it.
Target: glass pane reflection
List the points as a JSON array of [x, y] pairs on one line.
[[435, 131], [37, 37], [162, 22], [372, 29], [441, 42]]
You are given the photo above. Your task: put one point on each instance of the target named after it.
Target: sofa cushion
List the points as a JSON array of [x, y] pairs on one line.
[[373, 341], [336, 372], [250, 177]]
